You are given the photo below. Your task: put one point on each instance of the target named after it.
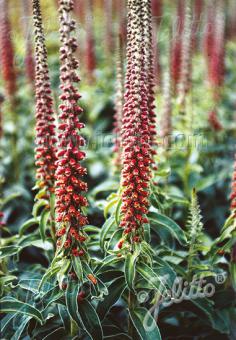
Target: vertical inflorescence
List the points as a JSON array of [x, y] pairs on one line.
[[119, 102], [45, 120], [166, 121], [29, 59], [176, 45], [216, 62], [185, 71], [6, 51], [1, 118], [136, 134], [108, 26], [90, 58], [148, 66], [69, 186]]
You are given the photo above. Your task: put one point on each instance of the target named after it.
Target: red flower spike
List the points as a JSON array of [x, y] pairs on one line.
[[119, 102], [138, 128], [45, 152], [69, 185], [6, 51]]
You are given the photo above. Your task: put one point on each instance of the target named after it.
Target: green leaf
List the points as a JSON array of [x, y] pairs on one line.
[[149, 275], [105, 186], [108, 261], [43, 222], [114, 292], [130, 262], [76, 262], [20, 328], [9, 251], [109, 206], [9, 304], [106, 229], [27, 225], [90, 320], [85, 316], [117, 212], [144, 324], [157, 219], [37, 206]]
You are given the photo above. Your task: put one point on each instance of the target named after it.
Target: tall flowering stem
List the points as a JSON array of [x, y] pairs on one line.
[[186, 56], [166, 121], [90, 58], [6, 52], [136, 134], [148, 67], [176, 45], [45, 121], [29, 59], [69, 185], [216, 62], [119, 102], [108, 26]]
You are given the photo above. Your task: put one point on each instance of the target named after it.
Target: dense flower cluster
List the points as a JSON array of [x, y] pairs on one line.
[[148, 67], [136, 127], [69, 186], [108, 26], [176, 45], [233, 190], [119, 102], [90, 58], [186, 55], [6, 50], [45, 120]]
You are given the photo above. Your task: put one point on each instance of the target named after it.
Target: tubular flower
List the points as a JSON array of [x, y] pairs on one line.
[[6, 50], [136, 136], [119, 102], [45, 121], [90, 58], [185, 71], [233, 190], [69, 186], [148, 67], [176, 45]]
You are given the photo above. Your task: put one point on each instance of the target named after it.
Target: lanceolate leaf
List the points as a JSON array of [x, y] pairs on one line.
[[78, 268], [20, 328], [10, 304], [106, 229], [145, 324], [38, 205], [90, 320], [114, 292], [28, 224], [159, 220], [43, 223], [9, 251], [149, 275], [130, 262]]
